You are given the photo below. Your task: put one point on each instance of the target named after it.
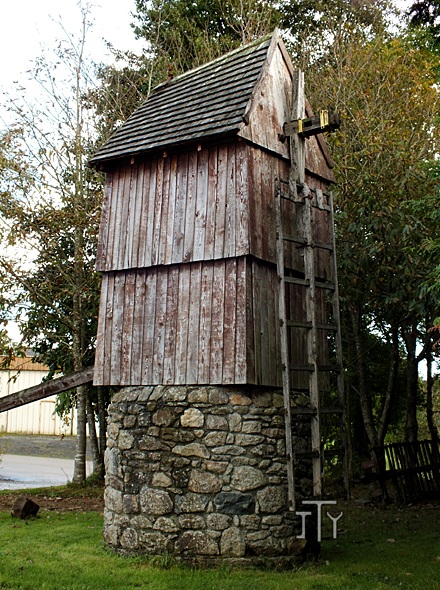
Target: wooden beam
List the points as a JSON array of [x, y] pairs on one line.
[[325, 121], [297, 150], [46, 389]]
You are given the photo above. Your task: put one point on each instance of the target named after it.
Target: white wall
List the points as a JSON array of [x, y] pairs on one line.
[[36, 417]]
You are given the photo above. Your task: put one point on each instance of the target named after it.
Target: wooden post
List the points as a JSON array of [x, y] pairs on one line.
[[297, 147], [46, 389]]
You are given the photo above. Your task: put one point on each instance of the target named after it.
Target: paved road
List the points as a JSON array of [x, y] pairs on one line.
[[36, 461]]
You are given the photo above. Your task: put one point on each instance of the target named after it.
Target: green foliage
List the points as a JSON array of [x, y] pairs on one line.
[[183, 34], [385, 90]]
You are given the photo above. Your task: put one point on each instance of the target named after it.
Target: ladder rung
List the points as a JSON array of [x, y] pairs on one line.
[[330, 327], [338, 451], [303, 411], [303, 242], [300, 241], [307, 455], [310, 368], [325, 285], [308, 410], [297, 324], [333, 410], [323, 246], [295, 281], [299, 391], [323, 208], [330, 368]]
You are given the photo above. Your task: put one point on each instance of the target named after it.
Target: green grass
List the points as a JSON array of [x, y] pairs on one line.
[[377, 549]]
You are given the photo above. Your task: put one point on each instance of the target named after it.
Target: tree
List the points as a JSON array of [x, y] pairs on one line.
[[384, 88], [183, 34], [50, 209]]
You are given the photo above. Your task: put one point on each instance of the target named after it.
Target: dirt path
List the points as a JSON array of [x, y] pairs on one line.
[[57, 503]]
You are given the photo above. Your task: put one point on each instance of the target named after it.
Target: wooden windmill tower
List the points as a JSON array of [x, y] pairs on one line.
[[217, 257]]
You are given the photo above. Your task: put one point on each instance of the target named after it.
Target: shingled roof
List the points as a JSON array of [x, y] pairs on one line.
[[208, 101]]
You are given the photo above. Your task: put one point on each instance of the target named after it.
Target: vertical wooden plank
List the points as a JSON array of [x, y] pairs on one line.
[[171, 209], [277, 365], [229, 321], [160, 325], [267, 220], [220, 201], [131, 220], [297, 148], [149, 233], [230, 204], [162, 255], [201, 204], [157, 212], [104, 227], [171, 325], [241, 332], [261, 277], [272, 321], [113, 219], [108, 334], [144, 186], [182, 324], [138, 328], [100, 356], [122, 220], [211, 202], [127, 329], [179, 216], [205, 322], [242, 200], [251, 362], [192, 365], [149, 328], [190, 212], [217, 323], [138, 195], [117, 328], [253, 200], [257, 320], [256, 200]]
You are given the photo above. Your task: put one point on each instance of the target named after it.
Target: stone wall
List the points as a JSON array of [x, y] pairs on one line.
[[199, 473]]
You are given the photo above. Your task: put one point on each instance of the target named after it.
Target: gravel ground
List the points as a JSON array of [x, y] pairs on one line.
[[38, 446]]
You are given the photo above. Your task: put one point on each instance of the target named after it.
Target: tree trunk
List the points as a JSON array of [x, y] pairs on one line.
[[391, 387], [102, 419], [412, 383], [429, 399], [98, 466], [365, 402], [79, 470]]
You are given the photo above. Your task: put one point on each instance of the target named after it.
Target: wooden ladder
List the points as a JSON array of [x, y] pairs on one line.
[[322, 337]]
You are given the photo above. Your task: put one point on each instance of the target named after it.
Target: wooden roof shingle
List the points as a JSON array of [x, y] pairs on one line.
[[208, 101]]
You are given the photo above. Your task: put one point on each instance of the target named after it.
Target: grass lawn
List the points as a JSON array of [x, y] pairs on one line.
[[376, 548]]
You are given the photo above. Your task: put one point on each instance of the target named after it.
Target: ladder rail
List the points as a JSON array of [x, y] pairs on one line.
[[312, 347], [339, 359], [284, 351]]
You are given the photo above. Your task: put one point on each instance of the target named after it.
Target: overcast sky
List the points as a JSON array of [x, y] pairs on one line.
[[27, 25]]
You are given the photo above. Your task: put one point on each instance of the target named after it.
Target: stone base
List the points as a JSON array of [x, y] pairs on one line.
[[199, 473]]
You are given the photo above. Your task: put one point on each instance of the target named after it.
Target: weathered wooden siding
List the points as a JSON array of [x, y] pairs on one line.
[[270, 104], [185, 207], [198, 323]]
